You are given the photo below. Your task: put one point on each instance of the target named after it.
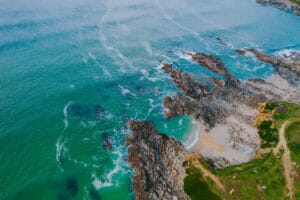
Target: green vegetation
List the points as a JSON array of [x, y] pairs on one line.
[[293, 140], [268, 129], [198, 187], [259, 179], [286, 111], [268, 134], [271, 106], [291, 112], [296, 1]]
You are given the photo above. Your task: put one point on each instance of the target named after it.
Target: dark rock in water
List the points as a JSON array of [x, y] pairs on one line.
[[286, 5], [216, 65], [108, 143], [140, 89], [186, 82], [202, 102], [221, 41], [241, 52], [158, 162], [69, 189], [291, 65], [93, 194], [86, 113]]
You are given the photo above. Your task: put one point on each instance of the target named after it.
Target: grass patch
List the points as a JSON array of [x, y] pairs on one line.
[[268, 129], [271, 105], [268, 134], [292, 134], [197, 187], [259, 179], [296, 1], [292, 113]]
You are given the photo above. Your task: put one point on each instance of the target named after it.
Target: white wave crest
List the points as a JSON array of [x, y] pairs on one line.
[[148, 77], [108, 180], [65, 111], [184, 54], [60, 151], [288, 54], [125, 91]]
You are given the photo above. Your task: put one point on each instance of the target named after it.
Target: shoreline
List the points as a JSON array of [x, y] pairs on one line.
[[285, 5], [191, 137], [221, 144]]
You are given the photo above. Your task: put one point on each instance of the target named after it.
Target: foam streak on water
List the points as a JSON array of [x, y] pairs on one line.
[[65, 111]]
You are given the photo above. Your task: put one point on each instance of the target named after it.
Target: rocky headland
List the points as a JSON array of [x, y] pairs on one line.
[[226, 133], [289, 62], [158, 162], [286, 5]]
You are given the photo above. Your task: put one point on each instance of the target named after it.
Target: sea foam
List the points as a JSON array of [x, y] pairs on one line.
[[65, 111]]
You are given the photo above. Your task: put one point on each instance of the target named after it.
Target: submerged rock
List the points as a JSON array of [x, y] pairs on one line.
[[69, 189], [93, 194], [86, 112], [158, 162]]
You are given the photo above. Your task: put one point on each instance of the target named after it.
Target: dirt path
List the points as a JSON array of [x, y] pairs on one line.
[[286, 159], [207, 173]]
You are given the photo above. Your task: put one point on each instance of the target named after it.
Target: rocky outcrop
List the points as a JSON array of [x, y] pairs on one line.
[[286, 5], [158, 162], [292, 65], [108, 144], [227, 107], [216, 65], [210, 104]]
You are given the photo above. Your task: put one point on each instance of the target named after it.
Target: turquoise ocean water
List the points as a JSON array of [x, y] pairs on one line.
[[73, 72]]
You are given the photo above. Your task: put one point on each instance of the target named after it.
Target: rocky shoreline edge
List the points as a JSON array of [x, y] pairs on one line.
[[286, 5], [226, 109]]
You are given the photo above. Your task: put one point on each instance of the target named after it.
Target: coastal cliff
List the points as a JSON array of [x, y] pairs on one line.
[[158, 162]]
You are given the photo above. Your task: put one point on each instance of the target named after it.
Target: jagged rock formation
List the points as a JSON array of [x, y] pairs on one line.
[[284, 84], [216, 65], [228, 107], [279, 62], [158, 162], [286, 5], [203, 102]]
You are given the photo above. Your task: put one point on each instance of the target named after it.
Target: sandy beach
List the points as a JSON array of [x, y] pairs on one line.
[[233, 142]]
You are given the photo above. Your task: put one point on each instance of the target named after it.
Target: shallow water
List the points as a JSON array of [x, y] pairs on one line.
[[73, 72]]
